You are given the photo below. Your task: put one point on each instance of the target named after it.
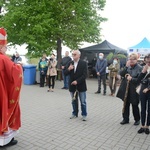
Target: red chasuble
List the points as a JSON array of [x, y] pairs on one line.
[[10, 86]]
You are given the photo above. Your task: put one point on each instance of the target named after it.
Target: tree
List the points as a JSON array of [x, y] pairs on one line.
[[111, 56], [45, 24]]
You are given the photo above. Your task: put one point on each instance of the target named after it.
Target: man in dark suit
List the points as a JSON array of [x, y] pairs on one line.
[[100, 67], [77, 69]]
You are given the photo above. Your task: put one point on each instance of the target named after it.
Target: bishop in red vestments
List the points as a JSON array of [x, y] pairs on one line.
[[10, 86]]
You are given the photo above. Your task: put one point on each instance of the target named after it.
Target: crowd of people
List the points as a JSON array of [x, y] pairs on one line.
[[131, 76], [48, 71], [74, 72]]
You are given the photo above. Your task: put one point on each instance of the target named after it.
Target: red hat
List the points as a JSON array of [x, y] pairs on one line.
[[3, 36]]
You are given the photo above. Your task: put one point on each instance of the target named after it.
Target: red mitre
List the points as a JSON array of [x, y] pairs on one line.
[[3, 36]]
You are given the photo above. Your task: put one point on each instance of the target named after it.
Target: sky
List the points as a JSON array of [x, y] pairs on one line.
[[128, 23]]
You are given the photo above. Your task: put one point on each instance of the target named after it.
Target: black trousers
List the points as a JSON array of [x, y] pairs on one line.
[[42, 80], [145, 108], [51, 81], [102, 78], [135, 111]]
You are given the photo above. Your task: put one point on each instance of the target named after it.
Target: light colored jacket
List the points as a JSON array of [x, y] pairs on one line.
[[52, 71], [114, 70]]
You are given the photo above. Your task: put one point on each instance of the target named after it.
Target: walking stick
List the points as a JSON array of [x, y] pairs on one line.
[[75, 95], [75, 101], [114, 79], [126, 94]]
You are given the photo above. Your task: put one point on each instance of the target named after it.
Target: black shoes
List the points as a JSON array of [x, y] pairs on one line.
[[146, 131], [98, 92], [41, 85], [136, 123], [124, 122], [141, 130], [11, 143], [65, 88]]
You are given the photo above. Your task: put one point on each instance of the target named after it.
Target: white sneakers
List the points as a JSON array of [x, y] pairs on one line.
[[84, 118]]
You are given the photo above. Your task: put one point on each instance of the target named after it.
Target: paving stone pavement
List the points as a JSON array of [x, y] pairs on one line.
[[46, 124]]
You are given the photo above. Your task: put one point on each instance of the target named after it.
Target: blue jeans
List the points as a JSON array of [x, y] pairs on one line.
[[66, 79], [82, 97]]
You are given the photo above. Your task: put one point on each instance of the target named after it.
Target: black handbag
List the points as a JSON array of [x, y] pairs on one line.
[[122, 89]]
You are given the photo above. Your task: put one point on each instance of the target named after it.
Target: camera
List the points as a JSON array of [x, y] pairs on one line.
[[51, 59]]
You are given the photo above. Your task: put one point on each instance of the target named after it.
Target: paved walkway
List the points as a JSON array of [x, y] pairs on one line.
[[46, 124]]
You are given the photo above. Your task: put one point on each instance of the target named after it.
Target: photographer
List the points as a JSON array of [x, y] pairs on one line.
[[51, 72], [144, 79]]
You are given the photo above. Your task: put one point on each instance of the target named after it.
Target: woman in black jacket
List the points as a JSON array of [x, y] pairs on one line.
[[128, 93], [144, 79]]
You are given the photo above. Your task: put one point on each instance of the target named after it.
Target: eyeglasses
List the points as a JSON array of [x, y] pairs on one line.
[[147, 62], [74, 54], [132, 59]]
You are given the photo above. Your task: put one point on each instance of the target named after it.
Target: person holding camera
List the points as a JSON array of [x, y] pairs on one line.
[[51, 73], [144, 79]]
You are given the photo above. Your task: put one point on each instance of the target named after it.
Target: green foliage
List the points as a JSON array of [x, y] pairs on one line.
[[41, 23], [111, 56], [119, 56], [34, 61]]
